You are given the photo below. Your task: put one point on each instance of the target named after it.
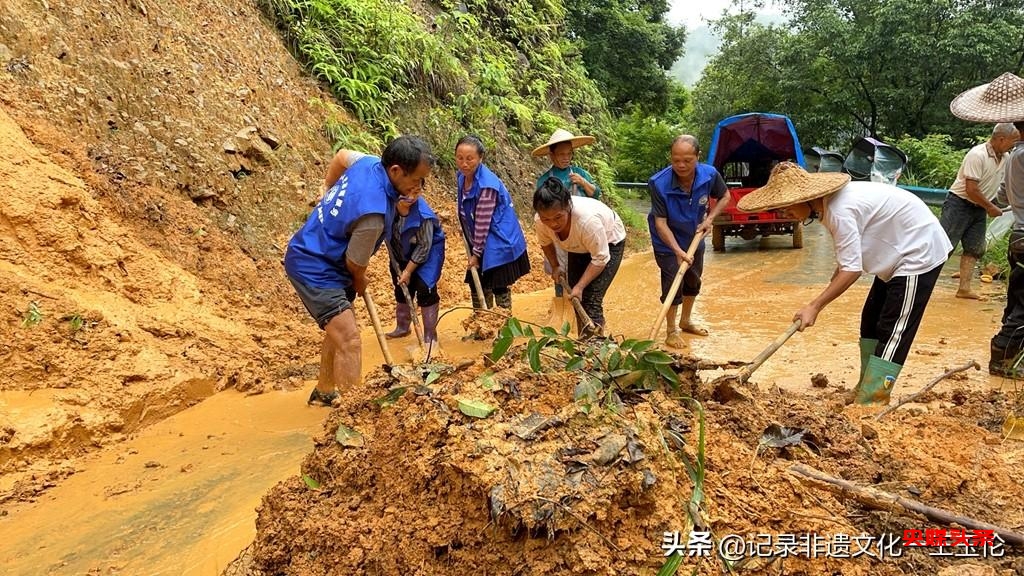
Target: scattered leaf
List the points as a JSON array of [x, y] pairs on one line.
[[775, 436], [348, 437], [310, 482], [391, 397], [487, 381], [657, 357], [475, 408], [431, 378]]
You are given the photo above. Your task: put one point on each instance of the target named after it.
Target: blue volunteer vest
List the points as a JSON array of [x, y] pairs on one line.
[[505, 241], [685, 211], [429, 271], [316, 253]]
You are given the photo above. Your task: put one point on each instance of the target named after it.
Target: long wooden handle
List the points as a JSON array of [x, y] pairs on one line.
[[475, 275], [408, 299], [372, 311], [676, 282], [747, 370], [588, 324]]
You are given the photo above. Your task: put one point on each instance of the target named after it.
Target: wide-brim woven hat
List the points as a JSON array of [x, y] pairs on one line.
[[790, 184], [1001, 100], [559, 136]]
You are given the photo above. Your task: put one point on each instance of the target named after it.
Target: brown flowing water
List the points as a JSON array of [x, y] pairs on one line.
[[179, 497]]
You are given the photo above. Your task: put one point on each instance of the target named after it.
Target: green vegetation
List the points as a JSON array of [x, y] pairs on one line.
[[33, 315], [933, 160]]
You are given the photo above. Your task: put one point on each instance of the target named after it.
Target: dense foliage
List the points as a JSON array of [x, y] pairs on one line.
[[627, 47], [842, 68]]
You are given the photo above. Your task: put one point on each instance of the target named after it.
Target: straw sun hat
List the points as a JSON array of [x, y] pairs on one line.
[[559, 136], [790, 184], [1001, 100]]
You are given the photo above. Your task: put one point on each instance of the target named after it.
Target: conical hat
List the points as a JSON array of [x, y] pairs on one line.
[[559, 136], [790, 184], [1001, 100]]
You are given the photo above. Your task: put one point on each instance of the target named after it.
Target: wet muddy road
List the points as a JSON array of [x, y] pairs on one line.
[[180, 496]]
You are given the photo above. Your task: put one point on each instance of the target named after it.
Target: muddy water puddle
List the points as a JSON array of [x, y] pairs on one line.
[[179, 497]]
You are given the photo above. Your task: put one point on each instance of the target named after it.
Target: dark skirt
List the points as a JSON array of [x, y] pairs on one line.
[[504, 275]]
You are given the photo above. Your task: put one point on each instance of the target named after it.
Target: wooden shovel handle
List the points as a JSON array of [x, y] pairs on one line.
[[408, 299], [588, 324], [475, 275], [372, 311], [747, 370], [676, 282]]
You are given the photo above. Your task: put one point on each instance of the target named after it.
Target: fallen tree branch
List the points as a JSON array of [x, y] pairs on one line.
[[879, 500], [923, 391]]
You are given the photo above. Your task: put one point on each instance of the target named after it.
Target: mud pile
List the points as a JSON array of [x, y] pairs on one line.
[[543, 486]]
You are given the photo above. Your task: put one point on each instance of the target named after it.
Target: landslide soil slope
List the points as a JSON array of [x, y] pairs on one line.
[[156, 159]]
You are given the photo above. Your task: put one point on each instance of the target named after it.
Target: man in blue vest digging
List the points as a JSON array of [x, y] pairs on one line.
[[327, 258]]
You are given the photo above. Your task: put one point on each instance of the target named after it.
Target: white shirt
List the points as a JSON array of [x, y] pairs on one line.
[[981, 165], [883, 230], [594, 227]]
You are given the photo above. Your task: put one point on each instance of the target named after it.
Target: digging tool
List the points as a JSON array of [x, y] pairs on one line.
[[588, 324], [676, 282], [475, 275], [416, 328], [372, 311], [745, 372]]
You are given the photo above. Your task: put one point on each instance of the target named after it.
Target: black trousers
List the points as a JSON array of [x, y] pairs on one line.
[[1011, 335], [593, 294], [893, 310]]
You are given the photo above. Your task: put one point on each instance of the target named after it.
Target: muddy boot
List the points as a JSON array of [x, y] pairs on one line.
[[503, 300], [1004, 362], [867, 348], [403, 315], [429, 314], [875, 387], [477, 304], [323, 398]]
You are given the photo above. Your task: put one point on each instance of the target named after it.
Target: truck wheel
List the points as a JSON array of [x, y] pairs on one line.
[[798, 235], [718, 238]]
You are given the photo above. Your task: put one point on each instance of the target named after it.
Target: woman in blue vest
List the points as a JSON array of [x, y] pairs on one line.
[[679, 210], [417, 243], [490, 226]]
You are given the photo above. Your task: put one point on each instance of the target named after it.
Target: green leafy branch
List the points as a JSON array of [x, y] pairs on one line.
[[607, 366]]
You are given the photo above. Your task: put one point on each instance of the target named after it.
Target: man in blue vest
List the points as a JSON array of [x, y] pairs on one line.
[[680, 194], [327, 258]]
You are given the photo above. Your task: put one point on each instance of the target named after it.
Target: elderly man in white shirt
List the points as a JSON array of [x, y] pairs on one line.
[[876, 228], [970, 200], [593, 236]]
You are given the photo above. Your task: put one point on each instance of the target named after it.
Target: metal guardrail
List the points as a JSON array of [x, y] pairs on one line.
[[931, 196]]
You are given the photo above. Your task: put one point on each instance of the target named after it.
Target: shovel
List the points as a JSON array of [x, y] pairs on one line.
[[412, 305], [744, 374], [676, 282], [372, 311], [588, 324], [475, 275]]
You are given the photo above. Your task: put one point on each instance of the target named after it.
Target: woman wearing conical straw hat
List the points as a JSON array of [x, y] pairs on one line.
[[561, 151], [1002, 100], [876, 228]]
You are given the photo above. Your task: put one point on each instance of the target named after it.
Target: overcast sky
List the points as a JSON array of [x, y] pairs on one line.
[[693, 14]]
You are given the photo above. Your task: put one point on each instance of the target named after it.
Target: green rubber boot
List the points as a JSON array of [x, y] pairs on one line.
[[876, 385], [867, 348]]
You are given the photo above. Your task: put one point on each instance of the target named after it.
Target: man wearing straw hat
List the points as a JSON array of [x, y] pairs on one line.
[[560, 150], [876, 228], [1002, 100]]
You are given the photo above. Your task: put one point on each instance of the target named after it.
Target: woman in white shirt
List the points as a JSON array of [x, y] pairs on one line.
[[593, 236]]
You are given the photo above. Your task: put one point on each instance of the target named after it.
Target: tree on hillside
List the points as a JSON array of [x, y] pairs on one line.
[[627, 48], [876, 67]]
